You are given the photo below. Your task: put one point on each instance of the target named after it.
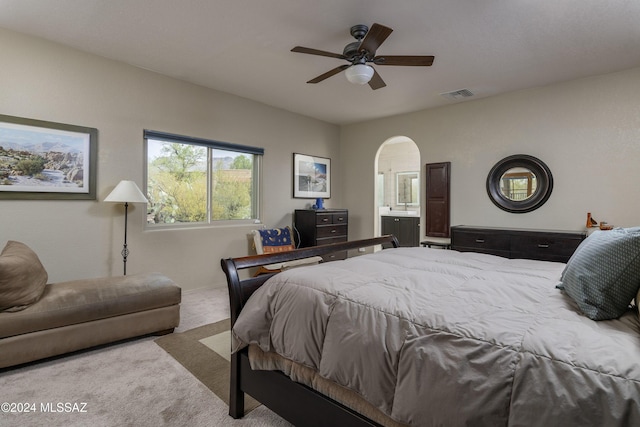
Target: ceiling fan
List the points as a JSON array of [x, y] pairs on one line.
[[363, 51]]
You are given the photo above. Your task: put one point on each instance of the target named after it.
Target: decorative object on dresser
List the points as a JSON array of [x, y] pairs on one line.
[[519, 183], [591, 222], [406, 228], [321, 227], [543, 245]]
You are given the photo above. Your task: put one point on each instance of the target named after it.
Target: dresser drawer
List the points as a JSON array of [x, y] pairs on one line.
[[324, 218], [336, 255], [340, 218], [331, 218], [333, 239], [331, 231], [480, 241], [546, 248]]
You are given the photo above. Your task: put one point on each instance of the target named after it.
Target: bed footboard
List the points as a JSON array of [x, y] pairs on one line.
[[276, 391]]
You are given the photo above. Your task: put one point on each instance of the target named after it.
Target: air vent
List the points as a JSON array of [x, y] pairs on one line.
[[457, 94]]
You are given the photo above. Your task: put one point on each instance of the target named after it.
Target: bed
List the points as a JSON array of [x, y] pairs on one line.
[[418, 336]]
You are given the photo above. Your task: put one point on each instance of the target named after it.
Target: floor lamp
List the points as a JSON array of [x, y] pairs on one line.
[[126, 192]]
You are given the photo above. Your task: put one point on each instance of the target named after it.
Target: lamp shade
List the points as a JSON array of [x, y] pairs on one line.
[[359, 74], [126, 192]]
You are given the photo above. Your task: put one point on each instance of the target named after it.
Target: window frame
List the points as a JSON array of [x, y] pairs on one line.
[[256, 174]]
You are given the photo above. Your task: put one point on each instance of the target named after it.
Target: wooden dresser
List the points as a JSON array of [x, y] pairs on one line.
[[321, 227], [544, 245]]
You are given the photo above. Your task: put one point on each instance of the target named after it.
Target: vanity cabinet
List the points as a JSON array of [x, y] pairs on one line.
[[320, 227], [544, 245], [405, 228]]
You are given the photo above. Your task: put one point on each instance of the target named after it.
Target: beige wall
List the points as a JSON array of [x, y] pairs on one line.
[[587, 131], [78, 239]]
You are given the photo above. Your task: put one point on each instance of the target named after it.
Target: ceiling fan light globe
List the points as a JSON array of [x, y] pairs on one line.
[[359, 74]]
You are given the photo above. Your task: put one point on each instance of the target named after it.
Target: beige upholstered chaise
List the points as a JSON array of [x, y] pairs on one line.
[[39, 320]]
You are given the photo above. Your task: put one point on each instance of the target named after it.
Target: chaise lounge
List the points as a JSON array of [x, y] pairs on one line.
[[40, 320]]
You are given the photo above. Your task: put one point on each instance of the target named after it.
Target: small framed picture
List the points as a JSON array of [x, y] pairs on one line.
[[311, 177], [46, 160]]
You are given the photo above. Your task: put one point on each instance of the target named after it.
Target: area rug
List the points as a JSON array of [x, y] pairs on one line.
[[205, 352]]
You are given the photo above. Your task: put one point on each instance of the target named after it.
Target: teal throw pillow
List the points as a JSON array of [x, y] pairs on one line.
[[603, 275]]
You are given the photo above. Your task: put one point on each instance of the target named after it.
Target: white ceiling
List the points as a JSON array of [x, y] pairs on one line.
[[243, 46]]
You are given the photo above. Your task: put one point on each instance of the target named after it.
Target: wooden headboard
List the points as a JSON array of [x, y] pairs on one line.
[[241, 290]]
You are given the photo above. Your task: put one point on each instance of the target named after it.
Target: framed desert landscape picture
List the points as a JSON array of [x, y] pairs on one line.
[[46, 160]]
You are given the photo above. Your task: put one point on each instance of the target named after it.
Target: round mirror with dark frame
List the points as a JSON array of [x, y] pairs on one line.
[[519, 183]]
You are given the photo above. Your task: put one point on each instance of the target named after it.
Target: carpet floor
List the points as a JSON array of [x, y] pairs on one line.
[[204, 351], [132, 383]]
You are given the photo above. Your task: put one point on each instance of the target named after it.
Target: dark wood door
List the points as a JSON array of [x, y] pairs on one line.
[[438, 199]]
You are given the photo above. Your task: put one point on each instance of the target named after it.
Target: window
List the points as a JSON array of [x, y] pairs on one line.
[[197, 181]]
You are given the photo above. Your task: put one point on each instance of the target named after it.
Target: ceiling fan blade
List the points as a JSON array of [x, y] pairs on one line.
[[310, 51], [329, 73], [376, 81], [376, 35], [407, 60]]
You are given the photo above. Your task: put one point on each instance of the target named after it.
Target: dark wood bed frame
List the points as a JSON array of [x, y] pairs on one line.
[[295, 402]]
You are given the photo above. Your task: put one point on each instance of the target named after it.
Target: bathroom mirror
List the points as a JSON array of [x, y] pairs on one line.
[[407, 188], [519, 183]]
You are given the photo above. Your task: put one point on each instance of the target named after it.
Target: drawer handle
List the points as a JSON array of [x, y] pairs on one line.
[[479, 240], [340, 219], [543, 246], [334, 230], [325, 219]]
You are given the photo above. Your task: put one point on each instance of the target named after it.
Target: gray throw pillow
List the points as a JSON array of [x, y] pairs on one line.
[[603, 275], [22, 277]]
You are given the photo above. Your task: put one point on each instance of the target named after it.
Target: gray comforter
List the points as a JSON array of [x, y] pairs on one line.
[[436, 337]]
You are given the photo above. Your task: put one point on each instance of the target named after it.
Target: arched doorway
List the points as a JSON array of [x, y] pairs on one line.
[[398, 178]]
